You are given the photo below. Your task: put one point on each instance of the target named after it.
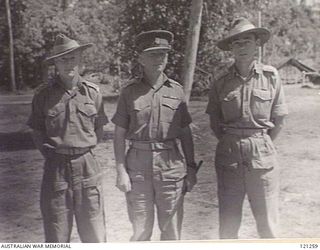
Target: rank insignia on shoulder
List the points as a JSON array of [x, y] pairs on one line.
[[222, 73], [92, 85], [130, 82], [174, 82], [269, 68], [42, 87], [171, 97]]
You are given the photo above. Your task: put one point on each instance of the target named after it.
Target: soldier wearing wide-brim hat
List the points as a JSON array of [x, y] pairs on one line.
[[152, 115], [67, 120], [64, 45], [240, 27], [247, 109]]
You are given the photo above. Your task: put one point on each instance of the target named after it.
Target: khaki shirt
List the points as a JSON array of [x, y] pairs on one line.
[[152, 113], [250, 103], [68, 118]]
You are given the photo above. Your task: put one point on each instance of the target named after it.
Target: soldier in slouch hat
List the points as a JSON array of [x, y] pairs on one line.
[[67, 120], [247, 109]]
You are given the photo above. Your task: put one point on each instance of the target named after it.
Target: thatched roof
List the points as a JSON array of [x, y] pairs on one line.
[[296, 63]]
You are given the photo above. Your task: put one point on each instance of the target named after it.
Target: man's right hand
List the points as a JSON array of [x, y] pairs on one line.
[[123, 181], [47, 150]]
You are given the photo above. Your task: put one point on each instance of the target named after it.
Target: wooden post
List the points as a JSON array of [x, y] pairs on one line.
[[261, 47], [64, 4], [192, 47], [11, 49]]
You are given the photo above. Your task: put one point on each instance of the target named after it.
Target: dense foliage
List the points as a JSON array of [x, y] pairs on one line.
[[112, 25]]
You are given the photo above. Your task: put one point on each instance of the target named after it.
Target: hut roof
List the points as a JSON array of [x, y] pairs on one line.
[[296, 63]]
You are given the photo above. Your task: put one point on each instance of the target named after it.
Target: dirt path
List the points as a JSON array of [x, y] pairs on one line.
[[299, 157]]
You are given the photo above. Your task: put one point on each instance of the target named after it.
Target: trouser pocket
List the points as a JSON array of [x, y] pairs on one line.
[[264, 155]]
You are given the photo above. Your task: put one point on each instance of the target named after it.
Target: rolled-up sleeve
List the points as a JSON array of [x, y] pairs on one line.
[[37, 117], [185, 115], [121, 118], [213, 107], [279, 107], [101, 118]]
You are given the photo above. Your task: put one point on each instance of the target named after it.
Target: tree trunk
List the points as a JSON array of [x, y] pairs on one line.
[[20, 82], [11, 50], [260, 58], [64, 4], [192, 47]]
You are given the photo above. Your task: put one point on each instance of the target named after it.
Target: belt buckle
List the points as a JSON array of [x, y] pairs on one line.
[[153, 146], [243, 133]]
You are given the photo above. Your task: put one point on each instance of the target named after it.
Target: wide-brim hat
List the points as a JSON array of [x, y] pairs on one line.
[[154, 40], [242, 26], [64, 45]]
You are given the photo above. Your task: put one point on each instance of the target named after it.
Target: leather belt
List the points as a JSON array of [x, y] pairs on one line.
[[152, 146], [72, 151], [245, 132]]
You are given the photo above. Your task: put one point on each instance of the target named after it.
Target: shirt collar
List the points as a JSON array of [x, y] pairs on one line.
[[256, 68], [165, 80], [72, 92]]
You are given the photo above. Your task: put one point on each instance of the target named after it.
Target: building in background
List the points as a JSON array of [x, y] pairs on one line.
[[293, 71]]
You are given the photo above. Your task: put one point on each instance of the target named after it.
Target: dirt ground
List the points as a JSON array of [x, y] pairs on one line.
[[298, 152]]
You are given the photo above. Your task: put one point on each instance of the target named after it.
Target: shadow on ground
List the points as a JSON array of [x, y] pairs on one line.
[[23, 140], [16, 141]]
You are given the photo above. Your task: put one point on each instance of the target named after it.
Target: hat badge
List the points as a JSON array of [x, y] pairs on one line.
[[157, 41]]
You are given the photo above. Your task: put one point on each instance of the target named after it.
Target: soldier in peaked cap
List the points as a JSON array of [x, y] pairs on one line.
[[67, 120], [247, 109], [152, 115]]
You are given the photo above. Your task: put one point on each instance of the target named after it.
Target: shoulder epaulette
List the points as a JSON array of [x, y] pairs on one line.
[[131, 82], [41, 88], [269, 68], [91, 85], [174, 82], [272, 72], [221, 74]]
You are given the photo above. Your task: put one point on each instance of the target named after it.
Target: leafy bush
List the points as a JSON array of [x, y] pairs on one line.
[[112, 26]]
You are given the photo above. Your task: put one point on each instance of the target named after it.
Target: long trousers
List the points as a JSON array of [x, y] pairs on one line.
[[247, 166], [71, 187], [157, 178]]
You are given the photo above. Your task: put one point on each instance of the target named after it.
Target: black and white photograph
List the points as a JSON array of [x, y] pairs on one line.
[[181, 121]]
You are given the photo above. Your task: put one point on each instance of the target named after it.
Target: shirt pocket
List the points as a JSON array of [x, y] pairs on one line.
[[140, 113], [231, 106], [169, 107], [87, 113], [55, 119], [261, 103]]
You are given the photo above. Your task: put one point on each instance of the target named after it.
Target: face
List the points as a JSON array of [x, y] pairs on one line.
[[154, 61], [68, 65], [244, 47]]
